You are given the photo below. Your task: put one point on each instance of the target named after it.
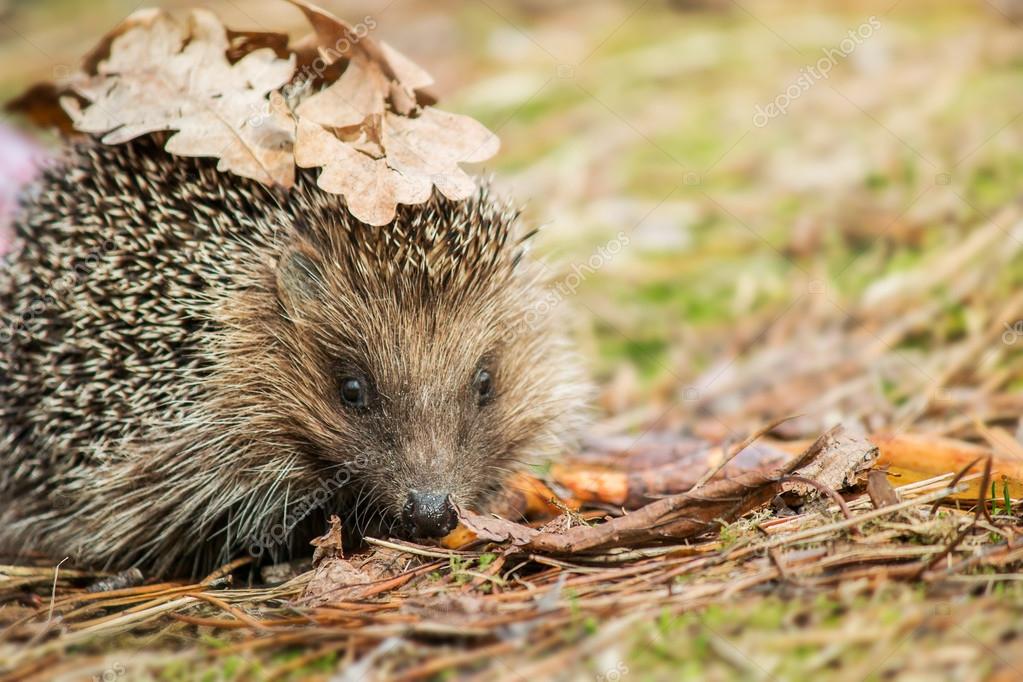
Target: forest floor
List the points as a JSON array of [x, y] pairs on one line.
[[757, 217]]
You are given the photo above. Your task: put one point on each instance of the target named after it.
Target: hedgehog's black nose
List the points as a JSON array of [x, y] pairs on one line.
[[429, 514]]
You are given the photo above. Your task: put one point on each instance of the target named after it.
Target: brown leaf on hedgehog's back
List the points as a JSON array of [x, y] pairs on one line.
[[160, 75], [146, 17], [241, 43], [43, 103], [336, 39], [330, 30], [40, 104], [360, 92], [381, 94], [371, 189], [357, 110], [406, 71], [419, 153], [433, 144]]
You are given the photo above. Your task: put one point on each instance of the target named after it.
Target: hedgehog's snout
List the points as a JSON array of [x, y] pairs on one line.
[[429, 514]]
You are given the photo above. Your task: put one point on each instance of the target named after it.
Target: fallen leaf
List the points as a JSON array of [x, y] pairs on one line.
[[918, 456], [881, 492], [683, 516], [334, 577], [330, 545], [598, 483], [496, 529], [458, 538], [651, 471], [525, 496]]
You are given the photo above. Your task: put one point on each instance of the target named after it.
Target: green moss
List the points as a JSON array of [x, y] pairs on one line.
[[763, 634], [485, 560]]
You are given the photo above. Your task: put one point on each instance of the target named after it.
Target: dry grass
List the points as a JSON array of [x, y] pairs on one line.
[[497, 612]]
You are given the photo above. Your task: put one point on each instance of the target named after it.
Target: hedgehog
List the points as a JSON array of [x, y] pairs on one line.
[[193, 366]]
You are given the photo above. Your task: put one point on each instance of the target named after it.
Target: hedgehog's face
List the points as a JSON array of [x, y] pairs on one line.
[[426, 392]]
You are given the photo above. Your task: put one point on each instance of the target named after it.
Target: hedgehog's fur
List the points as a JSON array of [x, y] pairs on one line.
[[174, 340]]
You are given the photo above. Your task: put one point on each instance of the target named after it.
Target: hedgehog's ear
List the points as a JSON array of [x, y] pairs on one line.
[[299, 277]]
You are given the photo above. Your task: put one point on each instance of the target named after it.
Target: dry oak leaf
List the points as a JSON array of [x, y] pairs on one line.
[[433, 144], [159, 75], [401, 79], [373, 110], [224, 94], [334, 578], [359, 93], [371, 189], [420, 153], [329, 545], [496, 529]]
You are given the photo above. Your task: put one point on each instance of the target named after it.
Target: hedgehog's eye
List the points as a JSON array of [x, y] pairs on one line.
[[353, 392], [483, 384]]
